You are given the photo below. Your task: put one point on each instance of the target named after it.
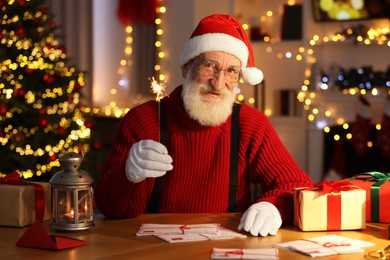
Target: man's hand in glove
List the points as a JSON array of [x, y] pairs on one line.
[[147, 159], [262, 219]]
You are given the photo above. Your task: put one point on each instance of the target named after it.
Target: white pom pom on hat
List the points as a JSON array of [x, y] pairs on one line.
[[219, 32]]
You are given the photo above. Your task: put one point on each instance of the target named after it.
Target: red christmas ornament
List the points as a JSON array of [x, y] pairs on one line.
[[44, 9], [20, 92], [21, 2], [52, 158], [45, 77], [48, 79], [97, 145], [20, 31], [18, 137], [29, 70], [77, 86], [89, 124], [43, 123], [52, 25], [63, 49], [42, 111], [61, 131], [3, 109]]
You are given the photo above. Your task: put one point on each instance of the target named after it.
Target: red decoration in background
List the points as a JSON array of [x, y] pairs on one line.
[[137, 11], [383, 135], [338, 159], [361, 127]]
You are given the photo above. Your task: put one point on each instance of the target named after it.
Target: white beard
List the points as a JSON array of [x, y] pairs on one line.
[[208, 112]]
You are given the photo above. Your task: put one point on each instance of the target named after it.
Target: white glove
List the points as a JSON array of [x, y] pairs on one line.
[[261, 218], [147, 159]]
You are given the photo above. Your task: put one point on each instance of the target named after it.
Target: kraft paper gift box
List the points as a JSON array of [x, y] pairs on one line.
[[18, 203], [333, 205], [377, 187]]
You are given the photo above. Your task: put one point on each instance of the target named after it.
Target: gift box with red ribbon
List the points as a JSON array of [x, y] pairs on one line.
[[22, 202], [330, 205], [377, 187]]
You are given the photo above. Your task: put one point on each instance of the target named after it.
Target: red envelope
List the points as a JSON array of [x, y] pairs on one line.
[[37, 237]]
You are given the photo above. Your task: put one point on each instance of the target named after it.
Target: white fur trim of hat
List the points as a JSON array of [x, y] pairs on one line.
[[223, 33]]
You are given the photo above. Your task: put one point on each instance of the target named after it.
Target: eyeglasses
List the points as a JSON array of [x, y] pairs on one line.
[[380, 254], [210, 68]]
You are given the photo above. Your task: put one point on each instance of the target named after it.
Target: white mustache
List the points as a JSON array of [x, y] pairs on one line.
[[207, 89]]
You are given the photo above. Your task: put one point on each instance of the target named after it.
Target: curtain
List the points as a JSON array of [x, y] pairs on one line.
[[74, 30]]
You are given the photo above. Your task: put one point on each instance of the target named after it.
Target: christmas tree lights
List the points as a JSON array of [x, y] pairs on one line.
[[40, 112]]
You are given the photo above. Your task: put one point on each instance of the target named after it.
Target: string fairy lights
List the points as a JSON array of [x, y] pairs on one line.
[[113, 109], [324, 117]]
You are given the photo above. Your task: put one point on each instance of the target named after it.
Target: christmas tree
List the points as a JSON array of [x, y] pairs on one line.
[[41, 117]]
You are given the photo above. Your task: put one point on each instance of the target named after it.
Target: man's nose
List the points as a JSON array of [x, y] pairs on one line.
[[218, 82]]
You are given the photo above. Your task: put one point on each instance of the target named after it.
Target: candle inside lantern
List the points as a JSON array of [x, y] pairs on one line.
[[69, 217]]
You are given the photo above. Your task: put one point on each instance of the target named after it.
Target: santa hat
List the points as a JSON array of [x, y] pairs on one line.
[[224, 33]]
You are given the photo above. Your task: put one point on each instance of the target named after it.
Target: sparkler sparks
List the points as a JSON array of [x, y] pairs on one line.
[[157, 88]]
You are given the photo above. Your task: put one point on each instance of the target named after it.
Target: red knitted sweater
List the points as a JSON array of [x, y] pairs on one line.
[[199, 181]]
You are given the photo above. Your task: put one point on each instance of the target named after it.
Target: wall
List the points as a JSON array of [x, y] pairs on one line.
[[178, 25]]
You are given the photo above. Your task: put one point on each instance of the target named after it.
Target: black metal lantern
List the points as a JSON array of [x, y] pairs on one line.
[[72, 190]]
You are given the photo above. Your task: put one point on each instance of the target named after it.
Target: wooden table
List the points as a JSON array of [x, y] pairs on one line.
[[116, 239]]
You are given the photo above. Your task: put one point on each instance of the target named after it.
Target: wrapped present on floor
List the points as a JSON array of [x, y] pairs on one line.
[[330, 205], [22, 202], [377, 187]]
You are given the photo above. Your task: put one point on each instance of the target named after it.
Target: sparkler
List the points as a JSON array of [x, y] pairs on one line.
[[157, 88]]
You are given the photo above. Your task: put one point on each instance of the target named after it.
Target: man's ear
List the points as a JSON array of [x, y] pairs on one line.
[[184, 70]]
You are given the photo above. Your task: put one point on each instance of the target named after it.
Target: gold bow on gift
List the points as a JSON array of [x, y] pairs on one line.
[[380, 254]]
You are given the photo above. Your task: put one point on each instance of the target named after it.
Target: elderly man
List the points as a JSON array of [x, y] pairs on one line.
[[209, 149]]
